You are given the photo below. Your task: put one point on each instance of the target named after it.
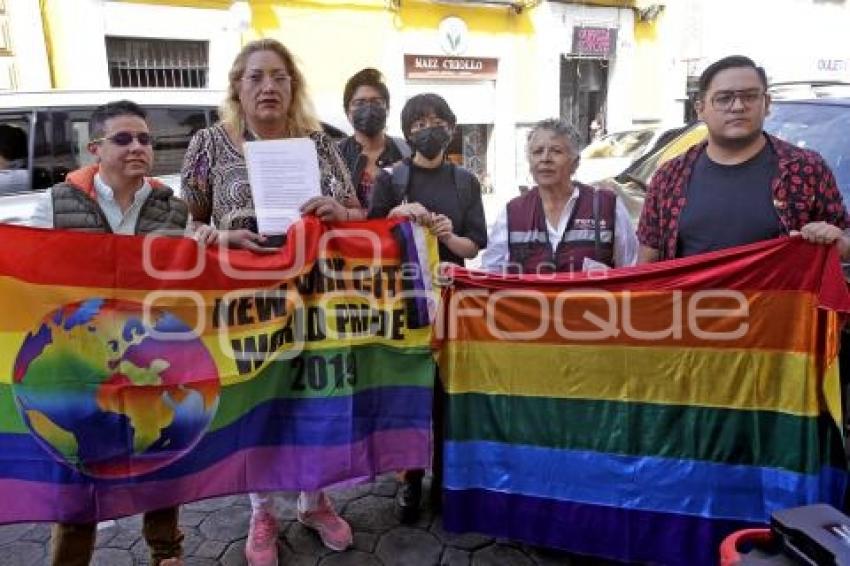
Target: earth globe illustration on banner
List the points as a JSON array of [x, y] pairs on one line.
[[114, 395]]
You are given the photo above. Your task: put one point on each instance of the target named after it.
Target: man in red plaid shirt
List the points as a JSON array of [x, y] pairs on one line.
[[742, 185]]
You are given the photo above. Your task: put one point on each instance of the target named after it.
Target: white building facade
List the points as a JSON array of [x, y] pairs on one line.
[[23, 52], [794, 40], [98, 44]]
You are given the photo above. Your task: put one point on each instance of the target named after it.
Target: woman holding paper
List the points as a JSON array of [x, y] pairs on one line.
[[266, 100]]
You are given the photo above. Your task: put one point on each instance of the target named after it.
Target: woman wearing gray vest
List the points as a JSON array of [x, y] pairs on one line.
[[115, 196], [559, 225]]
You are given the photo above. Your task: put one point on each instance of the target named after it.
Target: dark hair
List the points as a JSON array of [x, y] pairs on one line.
[[97, 122], [365, 77], [13, 142], [421, 106], [730, 62]]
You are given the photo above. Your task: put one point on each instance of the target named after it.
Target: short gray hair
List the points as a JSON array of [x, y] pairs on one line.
[[560, 128]]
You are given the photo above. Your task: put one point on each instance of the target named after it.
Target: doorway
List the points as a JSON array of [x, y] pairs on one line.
[[584, 91]]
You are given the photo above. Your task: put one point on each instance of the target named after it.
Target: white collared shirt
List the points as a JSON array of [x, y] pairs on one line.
[[497, 254], [120, 222], [14, 181]]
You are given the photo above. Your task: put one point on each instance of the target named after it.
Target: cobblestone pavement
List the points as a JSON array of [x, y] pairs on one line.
[[215, 532]]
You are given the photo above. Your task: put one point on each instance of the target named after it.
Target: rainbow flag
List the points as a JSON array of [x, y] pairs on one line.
[[644, 414], [138, 373]]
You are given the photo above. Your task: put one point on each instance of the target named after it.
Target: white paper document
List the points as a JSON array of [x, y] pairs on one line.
[[284, 174]]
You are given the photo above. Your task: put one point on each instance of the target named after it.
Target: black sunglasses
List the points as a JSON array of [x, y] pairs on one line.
[[126, 138]]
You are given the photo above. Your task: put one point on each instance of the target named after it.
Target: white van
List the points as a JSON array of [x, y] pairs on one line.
[[56, 132]]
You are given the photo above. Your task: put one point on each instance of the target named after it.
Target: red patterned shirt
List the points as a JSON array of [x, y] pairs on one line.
[[804, 190]]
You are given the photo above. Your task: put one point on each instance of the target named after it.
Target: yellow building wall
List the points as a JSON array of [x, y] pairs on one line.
[[647, 71], [210, 4], [76, 57], [609, 3], [656, 81], [333, 39], [75, 31]]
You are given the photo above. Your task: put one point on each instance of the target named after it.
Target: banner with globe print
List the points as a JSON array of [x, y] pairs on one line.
[[139, 373]]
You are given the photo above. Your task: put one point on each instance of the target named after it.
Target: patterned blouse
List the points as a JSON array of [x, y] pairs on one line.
[[215, 183]]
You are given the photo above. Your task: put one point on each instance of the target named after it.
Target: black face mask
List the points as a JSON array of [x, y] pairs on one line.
[[430, 141], [369, 119]]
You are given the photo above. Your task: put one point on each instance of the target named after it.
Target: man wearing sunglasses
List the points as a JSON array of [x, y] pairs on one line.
[[115, 196], [742, 185]]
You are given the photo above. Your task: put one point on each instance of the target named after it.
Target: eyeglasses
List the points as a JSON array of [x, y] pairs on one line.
[[725, 100], [280, 80], [126, 138], [360, 102]]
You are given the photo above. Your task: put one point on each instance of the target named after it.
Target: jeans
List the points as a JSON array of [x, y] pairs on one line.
[[73, 543]]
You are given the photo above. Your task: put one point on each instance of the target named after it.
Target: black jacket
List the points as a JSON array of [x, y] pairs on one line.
[[395, 150]]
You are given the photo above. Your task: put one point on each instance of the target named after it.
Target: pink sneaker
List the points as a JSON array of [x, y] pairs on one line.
[[333, 530], [261, 548]]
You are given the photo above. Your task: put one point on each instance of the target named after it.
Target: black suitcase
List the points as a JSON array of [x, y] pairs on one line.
[[815, 534]]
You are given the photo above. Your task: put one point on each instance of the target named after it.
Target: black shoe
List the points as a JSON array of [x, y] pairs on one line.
[[407, 501], [436, 494]]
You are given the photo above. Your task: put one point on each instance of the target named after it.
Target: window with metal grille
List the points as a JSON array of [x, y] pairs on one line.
[[157, 63]]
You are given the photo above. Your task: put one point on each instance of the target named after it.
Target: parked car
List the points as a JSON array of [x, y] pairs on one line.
[[54, 128], [817, 123], [612, 153]]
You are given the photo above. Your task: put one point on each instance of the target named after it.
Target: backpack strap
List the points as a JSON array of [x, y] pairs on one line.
[[463, 185], [401, 179], [597, 236], [462, 179], [597, 229], [402, 147]]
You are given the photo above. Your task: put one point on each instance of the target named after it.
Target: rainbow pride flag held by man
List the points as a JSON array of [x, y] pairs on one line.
[[141, 373], [644, 414]]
